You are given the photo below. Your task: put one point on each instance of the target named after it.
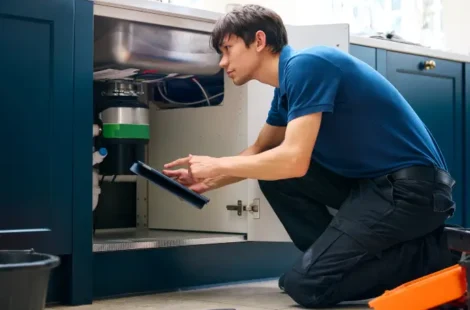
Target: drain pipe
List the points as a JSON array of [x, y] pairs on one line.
[[118, 178], [98, 157]]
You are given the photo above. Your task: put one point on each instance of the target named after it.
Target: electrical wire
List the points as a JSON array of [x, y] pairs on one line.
[[203, 91], [186, 103], [161, 81]]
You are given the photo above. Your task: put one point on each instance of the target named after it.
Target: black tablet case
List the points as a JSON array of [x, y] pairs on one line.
[[158, 178]]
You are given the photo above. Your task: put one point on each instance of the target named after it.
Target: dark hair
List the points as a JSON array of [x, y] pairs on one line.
[[245, 21]]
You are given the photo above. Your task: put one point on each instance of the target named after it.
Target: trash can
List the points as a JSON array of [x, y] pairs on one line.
[[24, 279]]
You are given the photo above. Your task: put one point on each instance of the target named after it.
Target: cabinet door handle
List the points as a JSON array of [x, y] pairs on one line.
[[428, 65], [23, 231]]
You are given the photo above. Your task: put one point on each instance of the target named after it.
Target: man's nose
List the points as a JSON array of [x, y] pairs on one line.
[[223, 62]]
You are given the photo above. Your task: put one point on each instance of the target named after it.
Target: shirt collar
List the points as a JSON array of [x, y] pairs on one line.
[[286, 53]]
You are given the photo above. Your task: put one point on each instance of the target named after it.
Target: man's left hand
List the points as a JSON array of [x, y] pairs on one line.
[[199, 167]]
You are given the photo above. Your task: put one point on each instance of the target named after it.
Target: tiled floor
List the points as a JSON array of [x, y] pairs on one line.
[[252, 296]]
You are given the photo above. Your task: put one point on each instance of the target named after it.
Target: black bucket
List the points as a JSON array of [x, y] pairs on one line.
[[24, 279]]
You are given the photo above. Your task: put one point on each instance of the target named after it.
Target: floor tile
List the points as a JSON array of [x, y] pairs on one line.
[[157, 303], [248, 296], [356, 305], [265, 295], [244, 289]]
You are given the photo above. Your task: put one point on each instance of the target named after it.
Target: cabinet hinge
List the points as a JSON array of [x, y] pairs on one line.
[[253, 208]]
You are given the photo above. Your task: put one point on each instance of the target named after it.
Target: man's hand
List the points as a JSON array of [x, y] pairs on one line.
[[182, 176], [199, 167], [269, 137]]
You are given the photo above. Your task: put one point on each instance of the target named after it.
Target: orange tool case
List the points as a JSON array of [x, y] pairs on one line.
[[443, 290]]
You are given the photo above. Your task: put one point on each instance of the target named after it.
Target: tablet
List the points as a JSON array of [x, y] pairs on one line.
[[165, 182]]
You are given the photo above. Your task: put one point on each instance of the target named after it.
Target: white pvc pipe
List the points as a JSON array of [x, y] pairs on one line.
[[96, 189], [118, 178], [99, 155], [96, 130]]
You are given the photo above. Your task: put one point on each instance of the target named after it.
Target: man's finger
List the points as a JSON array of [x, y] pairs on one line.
[[173, 173], [198, 188], [190, 173], [180, 161], [184, 181]]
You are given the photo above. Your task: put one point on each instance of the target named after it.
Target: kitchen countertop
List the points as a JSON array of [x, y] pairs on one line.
[[408, 48]]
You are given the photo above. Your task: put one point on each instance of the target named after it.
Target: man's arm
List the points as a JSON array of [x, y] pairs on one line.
[[289, 160], [268, 138], [311, 85]]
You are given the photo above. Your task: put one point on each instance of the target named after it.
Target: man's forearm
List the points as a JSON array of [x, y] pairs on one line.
[[278, 163], [224, 180]]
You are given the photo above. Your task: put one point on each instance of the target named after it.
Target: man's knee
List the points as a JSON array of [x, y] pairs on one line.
[[310, 292]]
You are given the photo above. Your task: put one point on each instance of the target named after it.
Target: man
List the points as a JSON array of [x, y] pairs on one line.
[[340, 135]]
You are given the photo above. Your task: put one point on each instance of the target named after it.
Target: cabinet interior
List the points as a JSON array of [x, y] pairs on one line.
[[167, 98], [159, 95]]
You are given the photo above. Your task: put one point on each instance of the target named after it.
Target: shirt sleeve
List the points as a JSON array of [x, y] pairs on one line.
[[311, 85], [274, 117]]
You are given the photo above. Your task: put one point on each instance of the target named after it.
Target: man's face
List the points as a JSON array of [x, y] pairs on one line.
[[239, 61]]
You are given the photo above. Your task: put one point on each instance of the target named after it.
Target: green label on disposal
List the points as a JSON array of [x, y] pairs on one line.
[[126, 131]]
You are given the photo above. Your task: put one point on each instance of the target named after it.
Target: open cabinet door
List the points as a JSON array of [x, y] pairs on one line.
[[213, 131], [264, 224]]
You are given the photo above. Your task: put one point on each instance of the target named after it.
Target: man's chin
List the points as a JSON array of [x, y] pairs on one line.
[[239, 82]]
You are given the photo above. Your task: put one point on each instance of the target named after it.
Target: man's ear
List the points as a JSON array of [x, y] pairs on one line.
[[260, 40]]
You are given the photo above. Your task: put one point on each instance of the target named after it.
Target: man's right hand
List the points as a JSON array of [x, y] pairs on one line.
[[182, 176]]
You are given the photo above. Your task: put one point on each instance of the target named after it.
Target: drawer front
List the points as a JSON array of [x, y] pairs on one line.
[[416, 64]]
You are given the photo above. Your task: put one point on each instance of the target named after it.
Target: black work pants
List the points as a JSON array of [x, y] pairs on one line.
[[386, 232]]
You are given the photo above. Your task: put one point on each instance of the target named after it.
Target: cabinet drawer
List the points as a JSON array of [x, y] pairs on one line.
[[417, 64]]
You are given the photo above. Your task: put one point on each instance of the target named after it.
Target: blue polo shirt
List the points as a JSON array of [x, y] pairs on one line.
[[368, 129]]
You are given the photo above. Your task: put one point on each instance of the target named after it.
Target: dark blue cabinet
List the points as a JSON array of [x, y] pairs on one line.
[[440, 95], [467, 143], [366, 54], [436, 96], [37, 88], [46, 62]]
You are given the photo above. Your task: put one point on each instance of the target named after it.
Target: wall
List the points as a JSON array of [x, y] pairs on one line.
[[456, 25], [298, 12]]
